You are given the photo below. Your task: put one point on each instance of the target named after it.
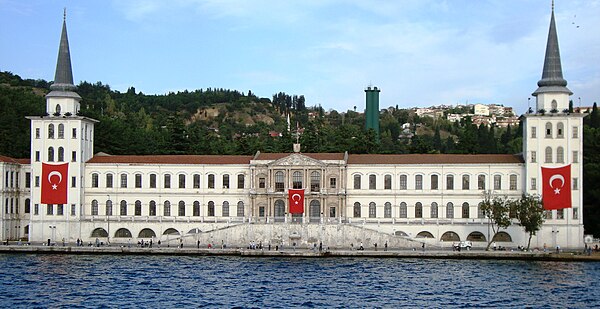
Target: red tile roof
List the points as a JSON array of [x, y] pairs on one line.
[[434, 159], [172, 159], [13, 160], [316, 156]]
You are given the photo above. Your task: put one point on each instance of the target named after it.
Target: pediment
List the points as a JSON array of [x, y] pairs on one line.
[[297, 159]]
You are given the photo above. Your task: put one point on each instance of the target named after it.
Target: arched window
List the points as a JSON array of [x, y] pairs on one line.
[[94, 207], [152, 208], [99, 232], [387, 210], [372, 182], [196, 209], [372, 210], [387, 182], [211, 209], [27, 205], [240, 209], [403, 210], [279, 181], [502, 237], [167, 209], [466, 182], [57, 109], [240, 181], [481, 182], [171, 231], [554, 105], [548, 158], [480, 212], [560, 155], [226, 209], [450, 210], [403, 180], [434, 210], [560, 130], [226, 181], [315, 181], [297, 180], [465, 210], [61, 154], [50, 131], [356, 181], [211, 181], [50, 154], [424, 234], [450, 236], [122, 233], [123, 208], [476, 236], [146, 233], [418, 182], [548, 130], [418, 210], [434, 182], [450, 182], [95, 180], [181, 209], [61, 131], [108, 210], [279, 210], [314, 210], [138, 208], [357, 209]]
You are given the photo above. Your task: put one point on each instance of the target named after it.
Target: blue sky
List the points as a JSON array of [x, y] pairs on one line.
[[419, 52]]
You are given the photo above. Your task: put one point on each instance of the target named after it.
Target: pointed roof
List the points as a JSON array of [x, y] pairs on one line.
[[552, 77], [63, 79]]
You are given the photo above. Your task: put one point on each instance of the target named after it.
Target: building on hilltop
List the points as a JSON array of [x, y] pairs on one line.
[[64, 192]]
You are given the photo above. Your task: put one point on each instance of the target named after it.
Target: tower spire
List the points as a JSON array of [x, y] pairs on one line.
[[63, 78], [552, 76]]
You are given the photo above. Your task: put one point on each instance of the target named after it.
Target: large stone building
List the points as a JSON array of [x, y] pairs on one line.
[[348, 198]]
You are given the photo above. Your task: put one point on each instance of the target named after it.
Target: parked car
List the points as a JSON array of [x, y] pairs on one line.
[[457, 246]]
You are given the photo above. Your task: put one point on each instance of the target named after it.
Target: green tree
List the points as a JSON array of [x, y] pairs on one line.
[[497, 210], [530, 213]]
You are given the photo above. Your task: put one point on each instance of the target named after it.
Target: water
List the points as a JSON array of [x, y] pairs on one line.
[[186, 282]]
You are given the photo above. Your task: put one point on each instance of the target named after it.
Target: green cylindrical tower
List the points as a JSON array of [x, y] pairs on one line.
[[372, 112]]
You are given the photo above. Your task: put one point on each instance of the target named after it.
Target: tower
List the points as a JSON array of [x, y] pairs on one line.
[[61, 143], [372, 111], [552, 137]]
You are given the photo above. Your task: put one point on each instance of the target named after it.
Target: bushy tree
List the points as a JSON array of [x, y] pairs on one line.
[[497, 210], [530, 213]]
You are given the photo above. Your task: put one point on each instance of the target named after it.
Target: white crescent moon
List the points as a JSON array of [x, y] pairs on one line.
[[559, 177], [294, 196], [55, 173]]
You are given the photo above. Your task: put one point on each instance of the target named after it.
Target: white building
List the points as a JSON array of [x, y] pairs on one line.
[[235, 199]]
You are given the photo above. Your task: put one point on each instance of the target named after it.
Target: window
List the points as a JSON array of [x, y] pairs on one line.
[[315, 181], [387, 182], [181, 209], [241, 181], [403, 180], [434, 182], [466, 182], [575, 132], [480, 213], [450, 210], [94, 208], [372, 182], [279, 182], [50, 131], [560, 155], [138, 208], [332, 183], [152, 180], [548, 130], [575, 157], [387, 210], [403, 210], [61, 154], [196, 209], [548, 158], [372, 210], [297, 180], [37, 156], [450, 182], [57, 109], [37, 133], [226, 209], [226, 181], [73, 182], [560, 128], [167, 181], [73, 156], [418, 182], [434, 210], [497, 182], [262, 182], [548, 214], [356, 181], [108, 209], [465, 210], [74, 132], [167, 209], [533, 183], [50, 154], [575, 183], [211, 181], [152, 208], [60, 211], [513, 182], [37, 181], [560, 214], [356, 210], [72, 209], [138, 180], [240, 209], [211, 209], [181, 181], [418, 210], [61, 131], [575, 213], [123, 208], [196, 180], [533, 156], [533, 132], [94, 180], [49, 209], [480, 182], [123, 180], [27, 205], [36, 209]]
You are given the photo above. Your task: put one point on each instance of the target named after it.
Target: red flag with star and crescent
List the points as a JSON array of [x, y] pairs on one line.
[[556, 187], [55, 178], [296, 197]]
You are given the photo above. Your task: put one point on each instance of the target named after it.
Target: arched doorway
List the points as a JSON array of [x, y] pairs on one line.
[[279, 211], [314, 211], [146, 233], [424, 234], [99, 232], [450, 236], [476, 236]]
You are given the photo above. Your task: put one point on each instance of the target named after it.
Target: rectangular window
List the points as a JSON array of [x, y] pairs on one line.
[[49, 209], [74, 132], [72, 209], [37, 156], [533, 132], [27, 180], [167, 181], [37, 181], [548, 214], [152, 180], [533, 183], [241, 181], [533, 157], [466, 182], [297, 178], [36, 209], [226, 181], [575, 156], [418, 182], [123, 180], [37, 133], [403, 179], [181, 181], [138, 180], [73, 182], [372, 182], [434, 182], [497, 182], [575, 132], [211, 181], [262, 183], [109, 180], [74, 156], [196, 181], [332, 183], [480, 182], [450, 182], [387, 182], [560, 214], [575, 213], [575, 183], [513, 182]]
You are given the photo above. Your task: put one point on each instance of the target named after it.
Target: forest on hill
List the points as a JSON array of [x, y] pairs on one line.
[[222, 121]]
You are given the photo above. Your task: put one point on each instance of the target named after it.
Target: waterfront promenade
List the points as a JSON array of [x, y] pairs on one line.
[[306, 253]]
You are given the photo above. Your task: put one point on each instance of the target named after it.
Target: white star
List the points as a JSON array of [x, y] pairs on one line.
[[54, 187], [557, 191]]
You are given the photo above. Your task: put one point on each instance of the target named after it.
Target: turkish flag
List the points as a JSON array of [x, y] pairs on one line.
[[55, 179], [556, 187], [296, 197]]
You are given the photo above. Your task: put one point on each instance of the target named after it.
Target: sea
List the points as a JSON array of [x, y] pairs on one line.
[[148, 281]]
